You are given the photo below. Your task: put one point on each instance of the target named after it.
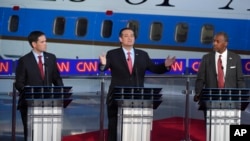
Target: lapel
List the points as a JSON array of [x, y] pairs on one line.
[[122, 56], [229, 62], [46, 58], [33, 61], [213, 64], [34, 64], [136, 58]]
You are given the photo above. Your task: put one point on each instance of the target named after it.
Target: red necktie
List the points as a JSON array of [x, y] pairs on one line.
[[129, 61], [40, 65], [220, 73]]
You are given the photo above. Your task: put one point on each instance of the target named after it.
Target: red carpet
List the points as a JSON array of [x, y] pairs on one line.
[[171, 129]]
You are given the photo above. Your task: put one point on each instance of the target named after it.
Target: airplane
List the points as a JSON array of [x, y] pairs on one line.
[[84, 29]]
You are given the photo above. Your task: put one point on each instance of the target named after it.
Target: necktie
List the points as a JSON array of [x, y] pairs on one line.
[[40, 65], [220, 73], [129, 62]]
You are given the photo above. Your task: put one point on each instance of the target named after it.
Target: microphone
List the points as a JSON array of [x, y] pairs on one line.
[[136, 74], [137, 79], [46, 74]]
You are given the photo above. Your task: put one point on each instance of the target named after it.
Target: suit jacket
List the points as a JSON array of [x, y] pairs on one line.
[[120, 76], [207, 76], [28, 74]]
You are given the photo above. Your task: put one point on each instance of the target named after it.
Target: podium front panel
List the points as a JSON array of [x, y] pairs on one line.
[[138, 103], [45, 110], [135, 111], [218, 123], [134, 124], [44, 123], [223, 108]]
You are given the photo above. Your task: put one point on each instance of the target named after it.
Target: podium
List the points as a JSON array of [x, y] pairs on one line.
[[45, 111], [135, 112], [222, 108]]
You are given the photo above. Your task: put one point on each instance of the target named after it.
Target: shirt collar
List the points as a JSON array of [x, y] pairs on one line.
[[222, 54], [36, 55], [131, 51]]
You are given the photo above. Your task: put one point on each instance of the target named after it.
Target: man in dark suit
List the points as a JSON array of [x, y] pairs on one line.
[[29, 74], [208, 70], [117, 61]]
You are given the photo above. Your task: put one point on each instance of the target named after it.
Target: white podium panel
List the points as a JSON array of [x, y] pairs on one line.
[[223, 108], [135, 111], [44, 123], [218, 123], [134, 124]]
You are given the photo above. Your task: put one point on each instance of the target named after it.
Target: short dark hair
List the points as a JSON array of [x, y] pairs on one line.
[[33, 36], [224, 34], [126, 28]]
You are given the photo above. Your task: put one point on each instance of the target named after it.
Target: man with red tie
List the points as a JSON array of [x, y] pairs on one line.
[[36, 68], [220, 68], [128, 66]]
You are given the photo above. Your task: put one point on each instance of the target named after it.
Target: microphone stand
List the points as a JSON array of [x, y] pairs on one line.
[[102, 137], [46, 74]]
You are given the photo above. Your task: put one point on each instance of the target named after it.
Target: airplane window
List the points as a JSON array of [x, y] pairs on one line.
[[156, 31], [207, 33], [135, 26], [81, 27], [181, 32], [107, 26], [59, 26], [13, 23]]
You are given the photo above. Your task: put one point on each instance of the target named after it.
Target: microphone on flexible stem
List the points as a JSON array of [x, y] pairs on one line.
[[137, 79], [46, 74], [137, 75]]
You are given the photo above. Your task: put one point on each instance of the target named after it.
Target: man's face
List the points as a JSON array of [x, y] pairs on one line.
[[219, 43], [40, 45], [127, 38]]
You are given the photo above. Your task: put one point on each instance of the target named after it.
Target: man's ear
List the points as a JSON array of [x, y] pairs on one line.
[[33, 44], [120, 39]]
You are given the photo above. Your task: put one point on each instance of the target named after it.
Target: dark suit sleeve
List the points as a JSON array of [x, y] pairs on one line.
[[56, 77], [240, 79], [155, 68], [200, 80], [20, 75]]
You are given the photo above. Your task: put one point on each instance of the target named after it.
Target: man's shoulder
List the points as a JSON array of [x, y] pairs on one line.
[[141, 52], [26, 56], [232, 53], [209, 54], [115, 51], [48, 54]]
